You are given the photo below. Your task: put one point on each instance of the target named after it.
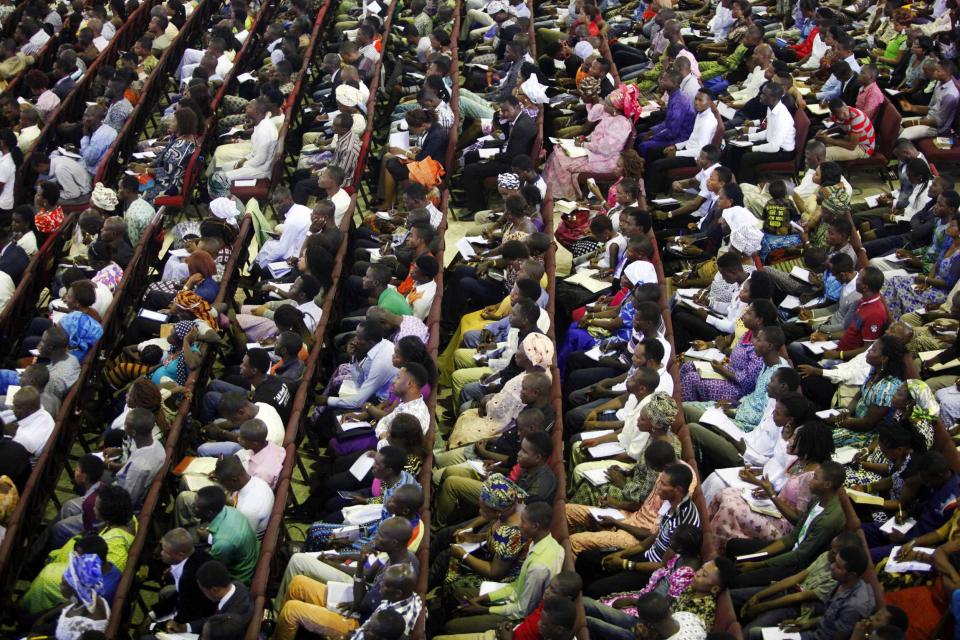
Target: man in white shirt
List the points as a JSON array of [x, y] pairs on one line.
[[407, 386], [684, 154], [329, 180], [690, 84], [33, 426], [778, 138], [254, 497], [258, 163], [762, 57], [235, 409], [295, 228]]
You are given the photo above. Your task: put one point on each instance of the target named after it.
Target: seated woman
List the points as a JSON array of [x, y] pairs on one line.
[[515, 224], [656, 419], [201, 279], [832, 198], [615, 117], [24, 229], [83, 331], [914, 407], [857, 423], [790, 411], [169, 168], [903, 294], [114, 508], [902, 446], [629, 172], [100, 259], [534, 355], [421, 163], [609, 322], [460, 573], [87, 608], [732, 516], [740, 372]]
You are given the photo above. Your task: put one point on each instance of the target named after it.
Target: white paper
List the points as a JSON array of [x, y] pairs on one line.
[[488, 152], [892, 92], [339, 593], [706, 371], [470, 547], [596, 477], [606, 450], [477, 465], [245, 77], [585, 279], [776, 633], [752, 556], [726, 110], [893, 566], [361, 467], [827, 413], [244, 183], [399, 140], [279, 269], [489, 586], [715, 417], [144, 155], [466, 249], [711, 355], [179, 253], [818, 348], [741, 143], [800, 274], [598, 512], [594, 354], [662, 202], [590, 435], [872, 201], [845, 455], [892, 525], [361, 513], [350, 425], [153, 315], [790, 302]]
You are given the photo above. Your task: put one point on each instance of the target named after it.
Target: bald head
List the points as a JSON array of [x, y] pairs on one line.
[[26, 402], [763, 53]]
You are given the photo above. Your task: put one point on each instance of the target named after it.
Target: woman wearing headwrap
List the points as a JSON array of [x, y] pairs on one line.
[[612, 322], [201, 279], [646, 421], [498, 525], [833, 200], [532, 95], [87, 609], [182, 357], [111, 544], [614, 118], [9, 498], [82, 332], [103, 199], [535, 354]]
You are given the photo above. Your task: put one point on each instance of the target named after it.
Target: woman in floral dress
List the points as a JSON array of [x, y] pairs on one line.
[[499, 526], [855, 425], [740, 373], [903, 294], [902, 445], [170, 165], [731, 515], [670, 580], [615, 117], [914, 406]]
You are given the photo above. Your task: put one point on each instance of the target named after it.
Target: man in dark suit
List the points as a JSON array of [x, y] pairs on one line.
[[233, 606], [189, 603], [520, 131], [13, 259], [849, 86], [66, 82]]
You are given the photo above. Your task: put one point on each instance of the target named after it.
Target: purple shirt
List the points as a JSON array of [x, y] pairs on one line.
[[678, 122]]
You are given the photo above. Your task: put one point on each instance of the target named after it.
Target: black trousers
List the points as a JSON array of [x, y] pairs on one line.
[[474, 173], [759, 577], [746, 170], [598, 583], [656, 177], [688, 327]]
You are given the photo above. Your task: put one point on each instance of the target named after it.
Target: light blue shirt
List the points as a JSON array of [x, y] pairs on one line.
[[751, 407], [93, 148], [372, 375]]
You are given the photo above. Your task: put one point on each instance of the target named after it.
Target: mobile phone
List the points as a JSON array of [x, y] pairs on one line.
[[346, 495]]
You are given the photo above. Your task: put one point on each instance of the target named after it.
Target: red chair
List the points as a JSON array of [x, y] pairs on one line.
[[801, 124], [189, 179], [887, 133], [935, 154]]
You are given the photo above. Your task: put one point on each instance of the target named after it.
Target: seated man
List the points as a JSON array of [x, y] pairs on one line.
[[937, 118], [232, 540], [187, 602], [236, 409], [33, 425], [234, 607]]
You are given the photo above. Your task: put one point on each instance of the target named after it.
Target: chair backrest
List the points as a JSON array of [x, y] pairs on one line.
[[801, 124], [889, 129], [718, 135]]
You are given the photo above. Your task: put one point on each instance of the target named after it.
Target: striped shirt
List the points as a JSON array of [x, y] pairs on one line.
[[684, 513], [859, 125]]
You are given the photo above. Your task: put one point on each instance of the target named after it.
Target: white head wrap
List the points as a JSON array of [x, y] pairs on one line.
[[225, 209], [535, 92], [103, 198], [583, 49], [636, 271], [348, 96]]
